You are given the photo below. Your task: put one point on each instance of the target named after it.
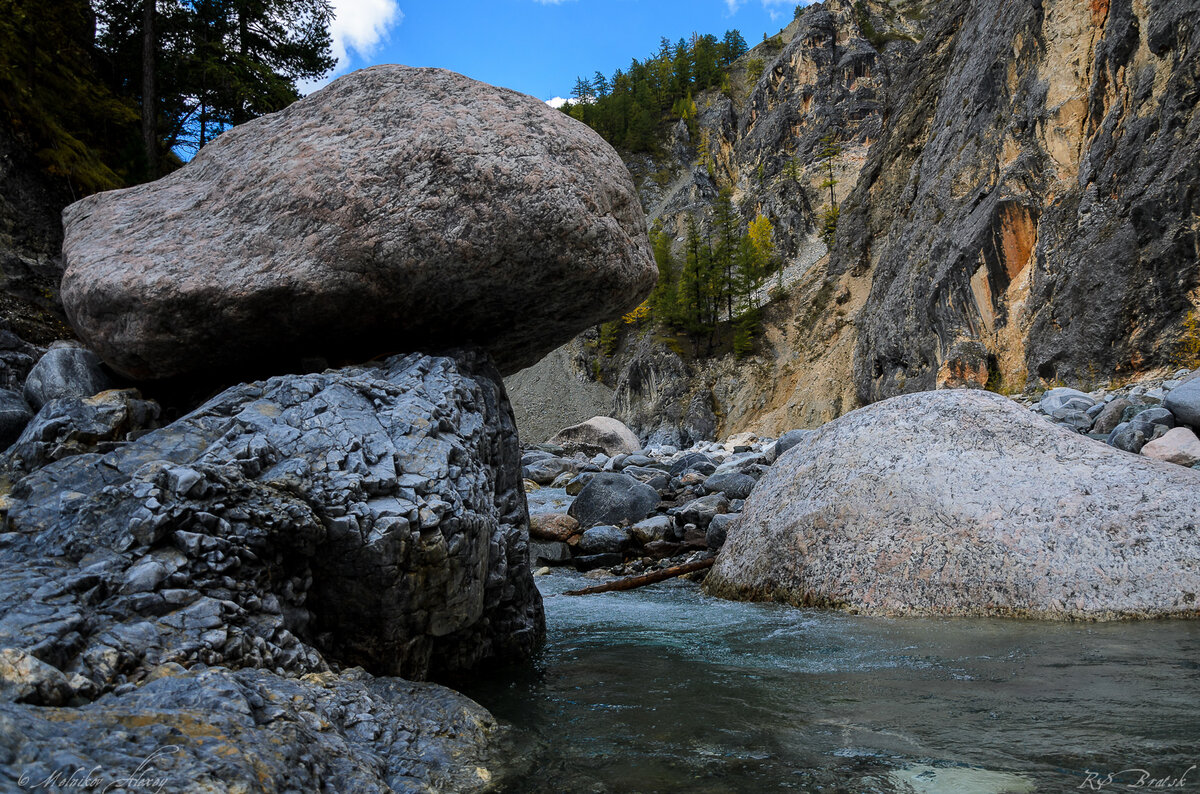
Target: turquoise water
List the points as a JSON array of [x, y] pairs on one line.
[[665, 689]]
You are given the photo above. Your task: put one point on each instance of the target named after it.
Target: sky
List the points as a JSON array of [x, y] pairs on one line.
[[538, 47]]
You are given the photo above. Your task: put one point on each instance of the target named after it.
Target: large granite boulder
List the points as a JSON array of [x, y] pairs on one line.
[[371, 516], [394, 209], [600, 432], [962, 502]]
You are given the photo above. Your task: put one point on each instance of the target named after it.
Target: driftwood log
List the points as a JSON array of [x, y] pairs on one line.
[[632, 582]]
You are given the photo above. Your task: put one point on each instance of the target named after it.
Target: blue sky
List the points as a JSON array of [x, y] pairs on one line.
[[538, 47]]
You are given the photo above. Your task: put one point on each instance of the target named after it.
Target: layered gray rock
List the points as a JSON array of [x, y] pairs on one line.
[[370, 516], [253, 730], [354, 223], [14, 416], [962, 502], [65, 371], [68, 426]]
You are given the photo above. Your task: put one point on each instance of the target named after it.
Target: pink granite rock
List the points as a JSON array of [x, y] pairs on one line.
[[1179, 446], [964, 503], [396, 209]]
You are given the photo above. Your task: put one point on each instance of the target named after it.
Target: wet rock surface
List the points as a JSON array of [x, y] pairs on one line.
[[354, 223]]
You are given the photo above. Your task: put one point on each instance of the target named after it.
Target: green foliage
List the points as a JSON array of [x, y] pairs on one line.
[[630, 109], [664, 300], [830, 151], [72, 75], [798, 12], [754, 69], [1189, 346], [829, 222], [216, 62], [54, 100], [610, 337], [744, 331], [716, 284]]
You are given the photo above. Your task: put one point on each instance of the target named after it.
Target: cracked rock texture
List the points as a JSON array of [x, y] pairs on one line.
[[964, 503], [355, 222], [252, 730], [369, 516]]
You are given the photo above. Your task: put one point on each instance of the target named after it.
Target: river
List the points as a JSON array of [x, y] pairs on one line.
[[664, 689]]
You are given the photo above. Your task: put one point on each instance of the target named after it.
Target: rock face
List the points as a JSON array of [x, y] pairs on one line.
[[354, 223], [73, 426], [1051, 243], [65, 371], [371, 516], [1007, 197], [961, 502]]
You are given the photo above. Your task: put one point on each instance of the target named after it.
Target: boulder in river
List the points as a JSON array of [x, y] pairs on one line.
[[354, 223], [962, 502]]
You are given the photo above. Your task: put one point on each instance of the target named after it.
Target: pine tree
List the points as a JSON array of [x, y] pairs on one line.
[[600, 86], [725, 224], [664, 300], [733, 46], [829, 152], [762, 237]]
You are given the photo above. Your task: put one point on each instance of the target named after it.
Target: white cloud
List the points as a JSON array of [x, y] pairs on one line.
[[557, 102], [360, 25], [733, 5]]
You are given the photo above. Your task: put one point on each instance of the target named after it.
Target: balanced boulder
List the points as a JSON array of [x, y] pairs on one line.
[[962, 502], [396, 209]]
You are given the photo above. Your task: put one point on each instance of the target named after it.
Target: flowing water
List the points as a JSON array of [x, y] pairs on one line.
[[664, 689]]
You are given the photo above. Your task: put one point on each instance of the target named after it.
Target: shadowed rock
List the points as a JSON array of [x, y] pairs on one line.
[[395, 209], [371, 516], [962, 502]]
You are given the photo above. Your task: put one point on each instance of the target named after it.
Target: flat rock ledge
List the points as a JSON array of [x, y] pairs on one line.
[[964, 503]]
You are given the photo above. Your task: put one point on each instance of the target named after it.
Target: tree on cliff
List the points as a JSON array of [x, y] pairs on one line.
[[829, 152], [631, 109]]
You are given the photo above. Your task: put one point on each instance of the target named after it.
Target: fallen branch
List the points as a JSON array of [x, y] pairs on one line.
[[632, 582]]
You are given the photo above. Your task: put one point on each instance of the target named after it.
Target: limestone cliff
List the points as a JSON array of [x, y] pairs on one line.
[[1019, 187]]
